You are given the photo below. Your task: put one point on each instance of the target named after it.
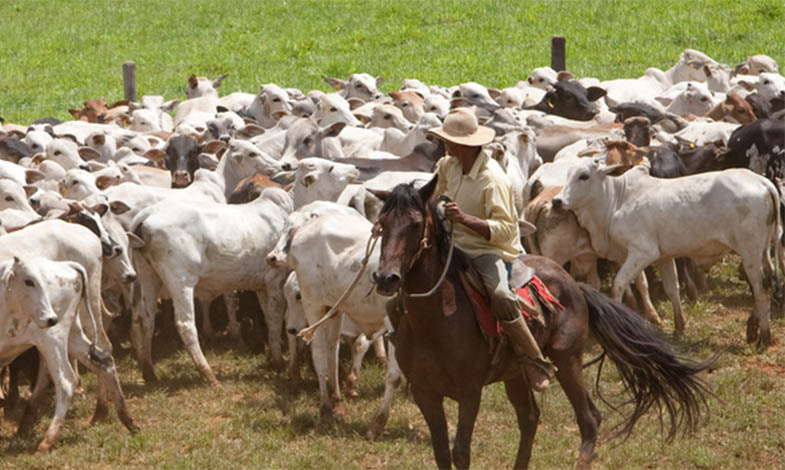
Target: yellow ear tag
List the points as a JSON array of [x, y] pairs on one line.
[[549, 103], [692, 146]]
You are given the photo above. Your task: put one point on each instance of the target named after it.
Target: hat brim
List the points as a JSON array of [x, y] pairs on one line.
[[482, 136]]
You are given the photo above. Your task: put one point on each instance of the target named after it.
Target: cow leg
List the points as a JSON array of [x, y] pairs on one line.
[[273, 304], [360, 347], [758, 322], [293, 367], [392, 380], [685, 268], [56, 362], [202, 309], [649, 312], [143, 310], [324, 352], [628, 272], [231, 301], [30, 415], [670, 283], [102, 364], [185, 321], [378, 348]]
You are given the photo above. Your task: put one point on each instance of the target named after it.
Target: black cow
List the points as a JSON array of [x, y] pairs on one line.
[[183, 155], [13, 149], [569, 99], [759, 146]]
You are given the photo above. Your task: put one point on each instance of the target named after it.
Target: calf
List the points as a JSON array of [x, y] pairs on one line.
[[759, 146], [360, 86], [637, 220], [570, 99], [97, 111], [182, 156], [39, 310]]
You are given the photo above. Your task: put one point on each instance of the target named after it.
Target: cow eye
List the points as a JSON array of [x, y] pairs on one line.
[[331, 169], [136, 149], [766, 82], [359, 85], [307, 141], [57, 152], [276, 100], [584, 176], [35, 146], [387, 116], [9, 198], [29, 283], [704, 99], [403, 105], [333, 109]]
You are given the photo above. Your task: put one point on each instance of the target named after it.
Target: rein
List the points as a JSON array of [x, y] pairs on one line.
[[307, 333]]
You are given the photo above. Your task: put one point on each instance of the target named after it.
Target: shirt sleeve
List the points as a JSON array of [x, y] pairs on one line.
[[441, 184], [501, 214]]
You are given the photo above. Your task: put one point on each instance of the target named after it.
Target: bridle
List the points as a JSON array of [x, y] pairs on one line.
[[424, 245]]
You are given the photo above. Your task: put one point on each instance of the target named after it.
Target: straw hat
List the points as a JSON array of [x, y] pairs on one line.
[[461, 127]]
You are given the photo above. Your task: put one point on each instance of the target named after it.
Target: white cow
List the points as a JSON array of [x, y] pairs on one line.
[[326, 253], [40, 309], [361, 86], [637, 220], [214, 248]]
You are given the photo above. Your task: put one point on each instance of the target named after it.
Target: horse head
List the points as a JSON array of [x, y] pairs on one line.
[[403, 225]]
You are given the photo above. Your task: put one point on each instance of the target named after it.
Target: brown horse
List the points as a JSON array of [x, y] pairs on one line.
[[446, 355]]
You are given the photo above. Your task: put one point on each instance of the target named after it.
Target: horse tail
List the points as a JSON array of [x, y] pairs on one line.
[[651, 370]]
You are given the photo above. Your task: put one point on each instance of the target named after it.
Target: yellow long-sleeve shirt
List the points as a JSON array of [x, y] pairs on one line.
[[485, 193]]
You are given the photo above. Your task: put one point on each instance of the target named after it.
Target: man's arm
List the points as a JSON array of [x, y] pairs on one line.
[[455, 214]]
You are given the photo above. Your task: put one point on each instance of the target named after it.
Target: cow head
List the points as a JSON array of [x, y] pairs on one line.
[[183, 155], [569, 99], [24, 281], [638, 131]]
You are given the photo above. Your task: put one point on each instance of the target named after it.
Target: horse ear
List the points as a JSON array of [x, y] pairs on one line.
[[427, 190]]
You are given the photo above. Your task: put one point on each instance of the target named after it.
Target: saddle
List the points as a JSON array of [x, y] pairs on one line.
[[535, 298]]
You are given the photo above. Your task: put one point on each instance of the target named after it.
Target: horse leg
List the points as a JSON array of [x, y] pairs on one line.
[[467, 415], [570, 376], [432, 408], [670, 282], [520, 394], [392, 380]]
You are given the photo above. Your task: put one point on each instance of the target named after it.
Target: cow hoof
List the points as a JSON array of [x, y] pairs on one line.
[[338, 410], [44, 446], [374, 431], [100, 413], [149, 375], [764, 341]]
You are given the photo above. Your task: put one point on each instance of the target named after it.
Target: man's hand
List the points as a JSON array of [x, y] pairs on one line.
[[453, 212]]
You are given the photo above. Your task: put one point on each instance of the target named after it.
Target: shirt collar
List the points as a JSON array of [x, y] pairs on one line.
[[479, 163]]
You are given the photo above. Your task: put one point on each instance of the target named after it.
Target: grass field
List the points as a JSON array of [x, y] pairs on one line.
[[260, 419], [54, 55]]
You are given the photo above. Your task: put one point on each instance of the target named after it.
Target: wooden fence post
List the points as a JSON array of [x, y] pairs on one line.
[[558, 53], [129, 80]]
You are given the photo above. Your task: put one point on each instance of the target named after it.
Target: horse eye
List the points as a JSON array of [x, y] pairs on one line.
[[29, 283]]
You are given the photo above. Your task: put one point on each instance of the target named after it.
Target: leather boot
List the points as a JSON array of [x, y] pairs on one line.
[[534, 365]]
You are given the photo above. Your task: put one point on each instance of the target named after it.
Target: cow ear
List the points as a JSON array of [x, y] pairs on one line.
[[457, 102], [119, 103], [169, 105], [193, 82], [118, 207], [593, 93], [100, 208], [336, 83], [94, 166], [213, 146], [355, 103], [427, 190], [564, 76], [219, 80], [380, 193], [155, 155], [333, 130], [526, 228], [615, 170], [379, 80], [104, 181], [6, 272], [279, 114], [207, 162], [250, 130], [747, 85], [89, 153], [134, 241], [30, 190], [495, 94], [75, 112], [33, 176]]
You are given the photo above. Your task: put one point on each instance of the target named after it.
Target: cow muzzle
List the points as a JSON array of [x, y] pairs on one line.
[[181, 178], [276, 260]]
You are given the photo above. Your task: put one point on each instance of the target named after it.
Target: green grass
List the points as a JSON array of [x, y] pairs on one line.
[[260, 419], [57, 54]]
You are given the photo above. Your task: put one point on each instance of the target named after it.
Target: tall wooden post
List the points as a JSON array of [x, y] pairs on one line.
[[129, 80], [558, 53]]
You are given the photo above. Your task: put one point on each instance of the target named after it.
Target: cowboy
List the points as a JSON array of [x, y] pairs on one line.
[[486, 227]]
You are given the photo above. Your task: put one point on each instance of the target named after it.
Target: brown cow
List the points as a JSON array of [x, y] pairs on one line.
[[251, 187], [97, 111], [410, 102]]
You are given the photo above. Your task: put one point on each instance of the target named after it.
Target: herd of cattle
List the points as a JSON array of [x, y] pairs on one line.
[[270, 193]]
